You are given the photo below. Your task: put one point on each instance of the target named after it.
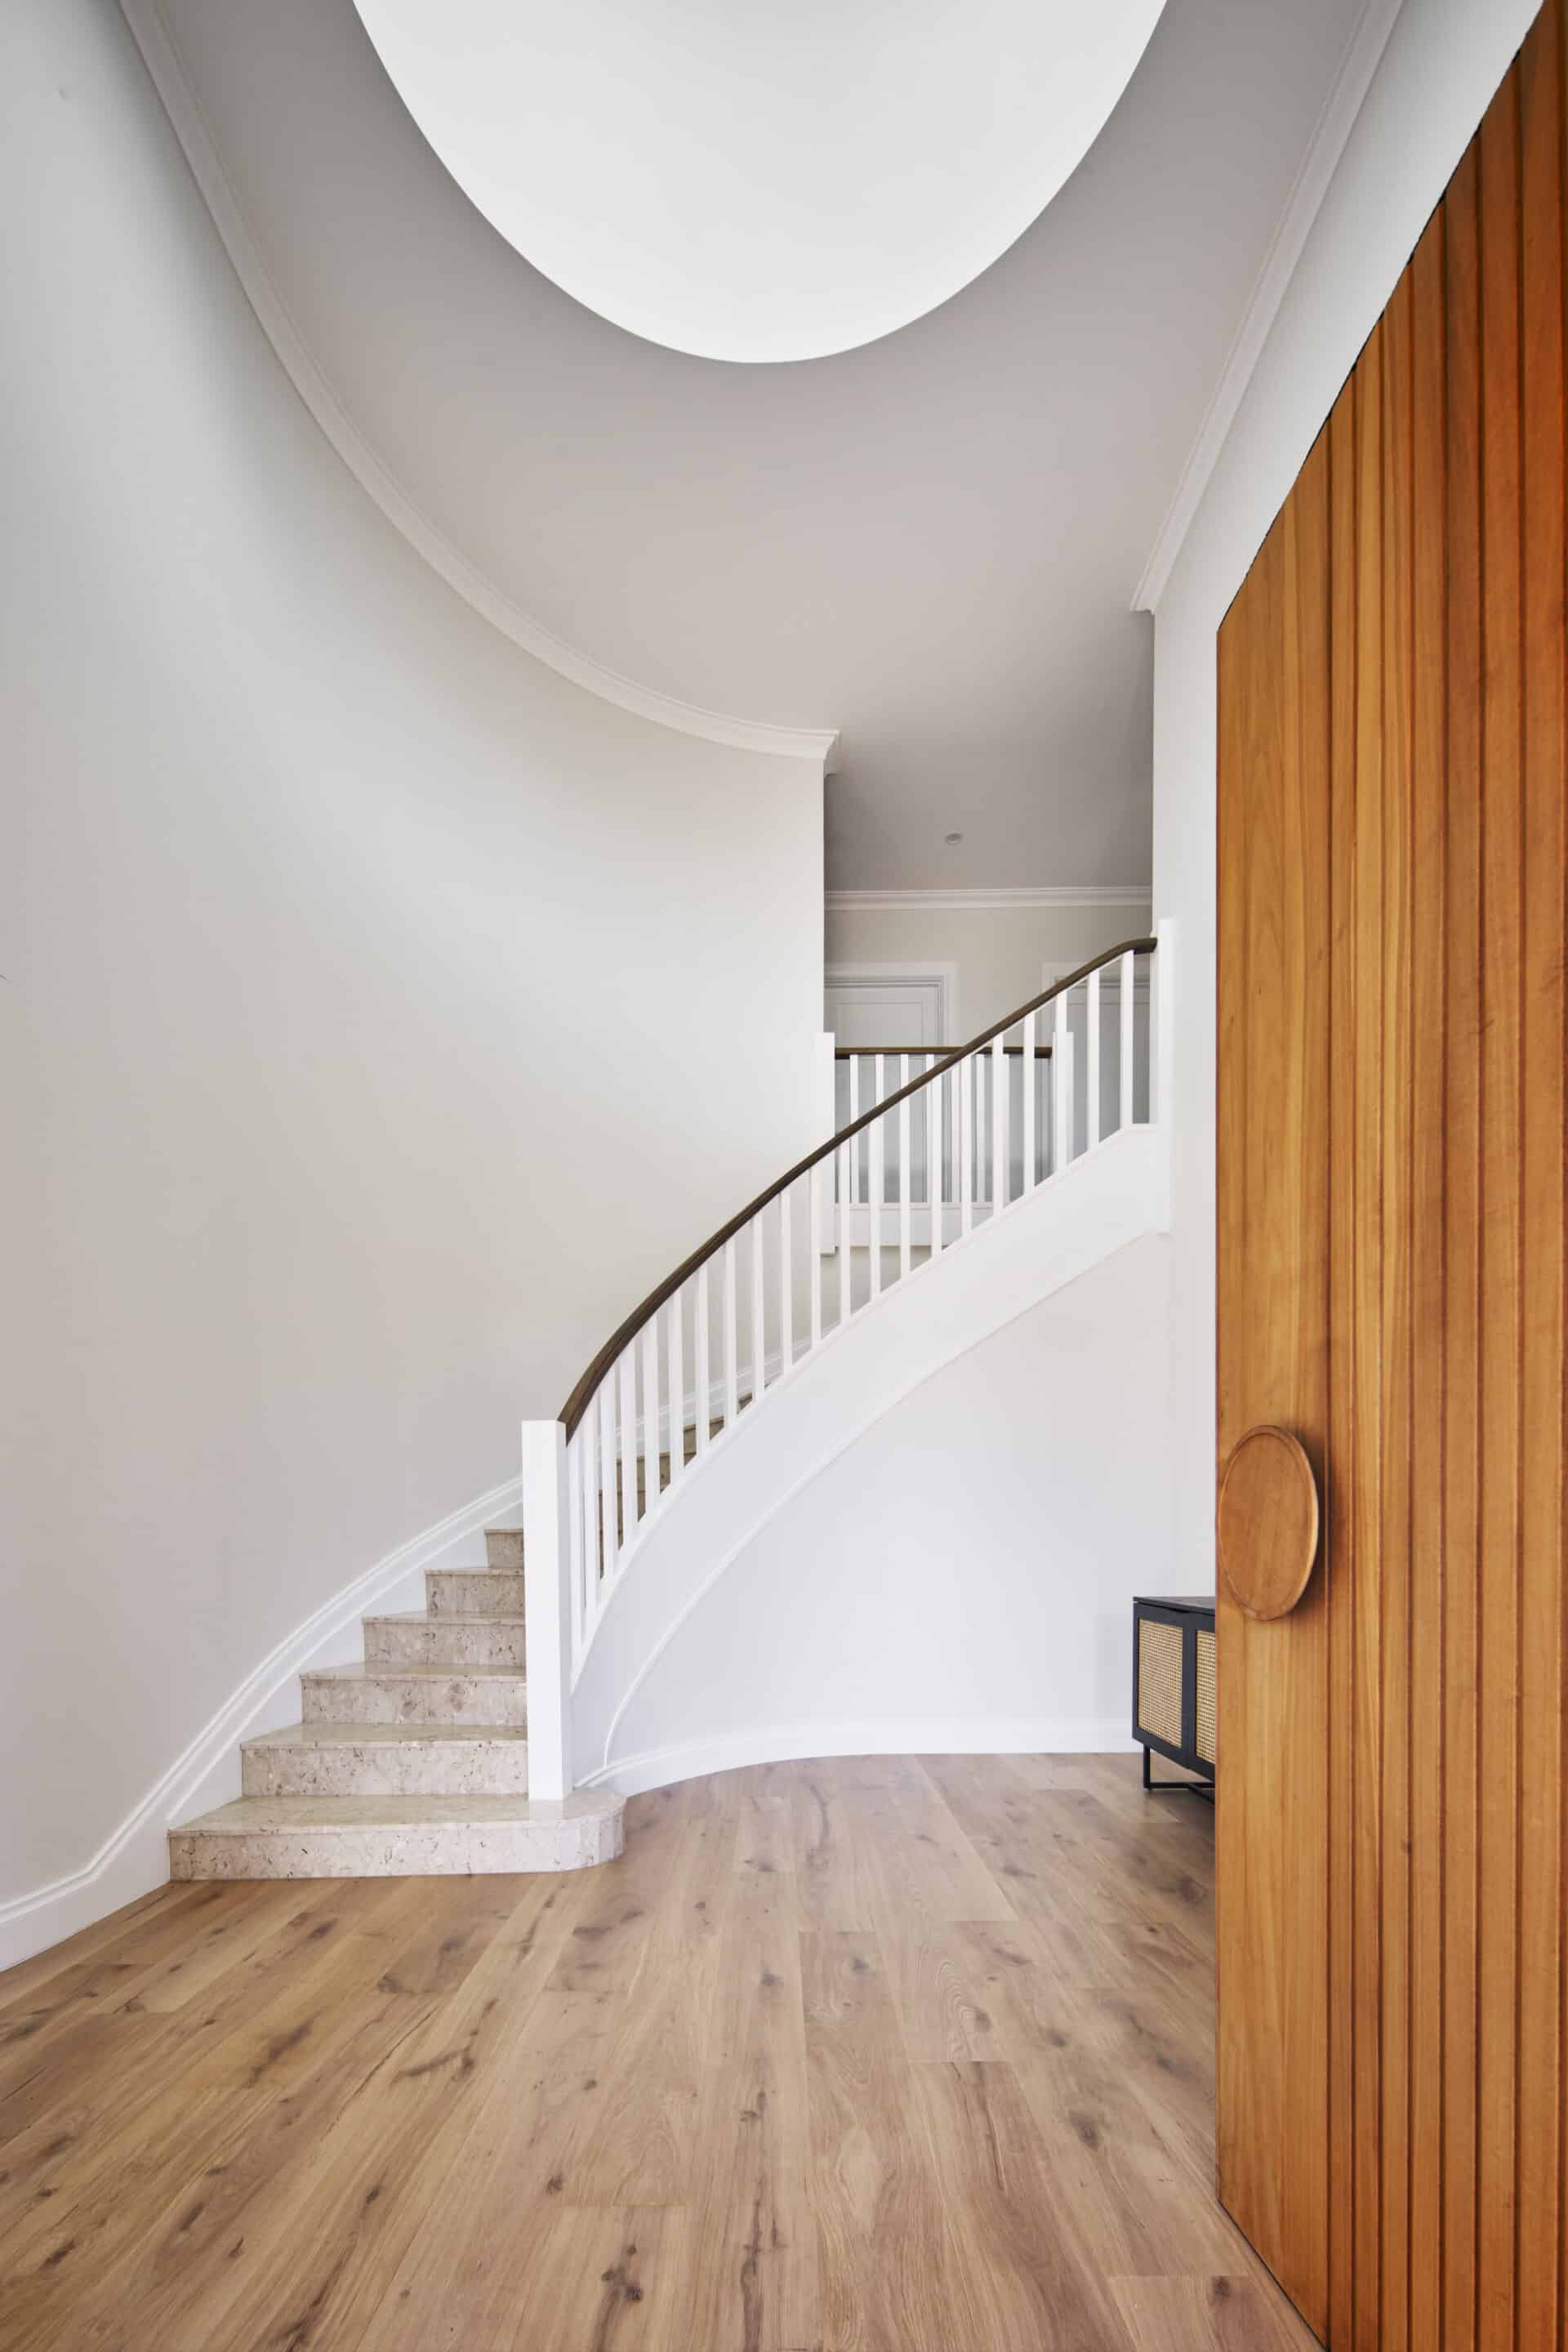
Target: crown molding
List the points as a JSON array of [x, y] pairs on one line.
[[1362, 53], [981, 902], [191, 128]]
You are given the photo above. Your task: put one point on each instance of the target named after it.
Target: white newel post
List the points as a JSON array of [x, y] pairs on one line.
[[547, 1610]]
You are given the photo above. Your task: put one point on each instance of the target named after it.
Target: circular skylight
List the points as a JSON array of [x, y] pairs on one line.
[[761, 183]]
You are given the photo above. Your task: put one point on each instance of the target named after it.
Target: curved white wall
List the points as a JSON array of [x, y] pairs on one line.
[[961, 1577], [382, 1014]]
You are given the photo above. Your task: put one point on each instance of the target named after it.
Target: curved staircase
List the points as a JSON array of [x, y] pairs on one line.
[[413, 1763], [1011, 1164]]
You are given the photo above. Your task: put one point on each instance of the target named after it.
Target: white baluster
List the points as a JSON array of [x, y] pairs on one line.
[[1027, 1173], [730, 1307], [1091, 1106], [998, 1126], [854, 1115], [875, 1186], [675, 1383], [575, 1538], [814, 1196], [935, 1125], [759, 1307], [966, 1144], [650, 1447], [609, 1503], [845, 1210], [1128, 968], [701, 1375], [593, 1561], [593, 1564], [628, 1369], [1061, 1089], [903, 1170], [786, 1277]]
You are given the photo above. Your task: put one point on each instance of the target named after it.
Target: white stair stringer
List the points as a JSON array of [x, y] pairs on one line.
[[1109, 1197], [411, 1764]]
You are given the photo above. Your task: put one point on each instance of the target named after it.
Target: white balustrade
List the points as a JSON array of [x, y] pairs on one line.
[[936, 1152]]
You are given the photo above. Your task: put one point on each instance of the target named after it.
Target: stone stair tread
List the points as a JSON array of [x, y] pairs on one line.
[[377, 1735], [423, 1617], [246, 1816], [382, 1670]]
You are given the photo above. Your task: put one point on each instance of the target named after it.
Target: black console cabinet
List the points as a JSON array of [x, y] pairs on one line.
[[1173, 1686]]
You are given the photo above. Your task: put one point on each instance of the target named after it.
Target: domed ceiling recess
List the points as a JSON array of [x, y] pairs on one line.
[[760, 179]]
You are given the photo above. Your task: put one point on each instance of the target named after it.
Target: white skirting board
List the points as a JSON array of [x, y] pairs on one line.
[[134, 1858], [783, 1743]]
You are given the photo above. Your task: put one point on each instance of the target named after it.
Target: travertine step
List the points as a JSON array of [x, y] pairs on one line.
[[503, 1547], [368, 1759], [420, 1640], [473, 1591], [396, 1837], [426, 1695]]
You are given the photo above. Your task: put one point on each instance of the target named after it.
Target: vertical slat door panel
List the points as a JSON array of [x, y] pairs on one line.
[[1499, 1045], [1272, 1948], [1392, 1951], [1542, 949], [1428, 758], [1460, 1337]]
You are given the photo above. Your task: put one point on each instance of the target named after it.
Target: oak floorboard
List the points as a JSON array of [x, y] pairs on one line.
[[402, 2115], [1206, 2315], [1018, 2281], [832, 1882], [888, 2263], [754, 2278]]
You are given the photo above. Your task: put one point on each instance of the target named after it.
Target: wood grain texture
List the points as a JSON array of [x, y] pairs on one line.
[[1443, 1960], [1268, 1522], [1273, 1209], [666, 2106]]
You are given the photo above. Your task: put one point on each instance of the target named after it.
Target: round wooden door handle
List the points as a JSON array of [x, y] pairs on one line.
[[1268, 1522]]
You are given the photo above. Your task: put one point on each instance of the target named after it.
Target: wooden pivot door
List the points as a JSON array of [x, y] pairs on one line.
[[1392, 2108]]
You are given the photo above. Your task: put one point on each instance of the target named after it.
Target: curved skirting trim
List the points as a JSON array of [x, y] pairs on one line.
[[134, 1857], [781, 1743], [1109, 1198], [184, 109]]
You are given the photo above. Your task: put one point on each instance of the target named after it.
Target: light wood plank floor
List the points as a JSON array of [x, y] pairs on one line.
[[869, 2056]]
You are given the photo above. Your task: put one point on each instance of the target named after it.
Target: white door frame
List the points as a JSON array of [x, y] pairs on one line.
[[925, 979]]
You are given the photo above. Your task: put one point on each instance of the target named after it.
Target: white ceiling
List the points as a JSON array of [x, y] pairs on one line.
[[930, 542], [755, 183]]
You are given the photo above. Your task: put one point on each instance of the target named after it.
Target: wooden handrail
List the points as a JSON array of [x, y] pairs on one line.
[[577, 1403], [903, 1053]]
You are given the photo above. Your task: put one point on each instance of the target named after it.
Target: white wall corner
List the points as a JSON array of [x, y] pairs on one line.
[[1163, 1064], [1360, 62]]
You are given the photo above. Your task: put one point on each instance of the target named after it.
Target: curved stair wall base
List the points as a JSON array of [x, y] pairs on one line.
[[958, 1580], [1091, 1210]]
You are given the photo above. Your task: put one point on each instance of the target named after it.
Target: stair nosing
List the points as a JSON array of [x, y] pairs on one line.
[[385, 1813], [403, 1669], [423, 1617], [387, 1735]]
